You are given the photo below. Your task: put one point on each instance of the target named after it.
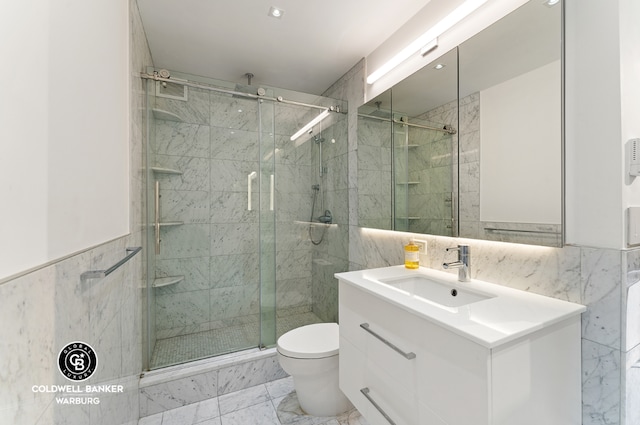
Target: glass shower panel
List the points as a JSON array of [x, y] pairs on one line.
[[236, 203], [267, 236]]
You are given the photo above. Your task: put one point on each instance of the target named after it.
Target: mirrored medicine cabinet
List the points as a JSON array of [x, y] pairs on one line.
[[471, 145]]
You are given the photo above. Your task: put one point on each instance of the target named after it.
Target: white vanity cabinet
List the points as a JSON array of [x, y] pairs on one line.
[[401, 368]]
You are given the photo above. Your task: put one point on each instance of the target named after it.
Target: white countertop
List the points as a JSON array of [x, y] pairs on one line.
[[509, 315]]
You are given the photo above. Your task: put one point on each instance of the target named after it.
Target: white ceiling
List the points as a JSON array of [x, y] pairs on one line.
[[309, 48]]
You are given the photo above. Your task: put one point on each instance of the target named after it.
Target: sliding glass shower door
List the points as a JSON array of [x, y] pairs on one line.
[[212, 221], [229, 195]]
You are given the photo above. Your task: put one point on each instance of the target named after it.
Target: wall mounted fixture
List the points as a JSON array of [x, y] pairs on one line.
[[429, 40], [433, 44], [324, 114]]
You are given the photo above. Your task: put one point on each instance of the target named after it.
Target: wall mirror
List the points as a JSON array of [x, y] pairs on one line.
[[473, 142]]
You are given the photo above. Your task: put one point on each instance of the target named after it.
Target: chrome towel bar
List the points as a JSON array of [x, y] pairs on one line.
[[408, 356], [95, 274]]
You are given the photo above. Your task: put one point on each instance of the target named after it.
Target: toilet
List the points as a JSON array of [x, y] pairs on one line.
[[310, 355]]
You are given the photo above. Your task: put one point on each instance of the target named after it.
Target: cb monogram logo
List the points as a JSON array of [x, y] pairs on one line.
[[77, 361]]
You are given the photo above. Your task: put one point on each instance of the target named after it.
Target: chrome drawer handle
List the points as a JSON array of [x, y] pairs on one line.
[[365, 392], [408, 356]]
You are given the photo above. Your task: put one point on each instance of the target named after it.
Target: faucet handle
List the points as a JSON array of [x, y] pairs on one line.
[[460, 248]]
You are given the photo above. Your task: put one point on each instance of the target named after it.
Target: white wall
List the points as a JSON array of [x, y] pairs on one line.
[[594, 143], [630, 88], [64, 156], [520, 119]]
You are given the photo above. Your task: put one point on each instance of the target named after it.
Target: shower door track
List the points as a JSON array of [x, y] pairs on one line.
[[237, 93]]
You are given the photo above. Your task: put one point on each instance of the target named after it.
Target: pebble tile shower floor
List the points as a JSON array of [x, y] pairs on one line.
[[273, 403], [204, 344]]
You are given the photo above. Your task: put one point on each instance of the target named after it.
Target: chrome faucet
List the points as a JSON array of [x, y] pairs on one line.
[[463, 264]]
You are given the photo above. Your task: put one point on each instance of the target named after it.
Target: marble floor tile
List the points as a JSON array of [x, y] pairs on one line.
[[280, 387], [242, 399], [273, 403], [263, 414]]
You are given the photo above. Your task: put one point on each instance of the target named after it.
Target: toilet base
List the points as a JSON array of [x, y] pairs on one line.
[[321, 398], [316, 384]]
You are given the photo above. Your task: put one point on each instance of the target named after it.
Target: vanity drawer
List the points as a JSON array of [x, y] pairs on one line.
[[372, 390], [448, 371], [382, 348]]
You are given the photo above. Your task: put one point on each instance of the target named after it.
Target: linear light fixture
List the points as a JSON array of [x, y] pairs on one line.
[[428, 38], [324, 114]]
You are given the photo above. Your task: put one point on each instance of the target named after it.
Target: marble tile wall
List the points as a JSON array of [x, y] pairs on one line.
[[50, 307]]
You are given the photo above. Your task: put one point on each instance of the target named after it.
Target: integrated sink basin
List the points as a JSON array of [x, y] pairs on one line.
[[432, 291], [486, 313]]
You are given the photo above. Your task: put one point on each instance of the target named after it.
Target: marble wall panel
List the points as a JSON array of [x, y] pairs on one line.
[[181, 139], [195, 271], [195, 172], [233, 238], [601, 392], [184, 241], [234, 144], [188, 206], [182, 309], [601, 277], [233, 112], [234, 301], [234, 270], [232, 207], [177, 393]]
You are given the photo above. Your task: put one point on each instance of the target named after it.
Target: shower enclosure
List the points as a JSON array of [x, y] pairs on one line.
[[231, 263]]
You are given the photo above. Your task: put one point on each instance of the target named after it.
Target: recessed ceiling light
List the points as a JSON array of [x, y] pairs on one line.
[[439, 66], [551, 2], [275, 12]]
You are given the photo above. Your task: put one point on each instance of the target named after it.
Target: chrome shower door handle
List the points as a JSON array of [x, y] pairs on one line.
[[271, 193], [252, 175], [157, 216]]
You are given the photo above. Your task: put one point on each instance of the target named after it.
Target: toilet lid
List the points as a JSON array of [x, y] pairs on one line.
[[311, 341]]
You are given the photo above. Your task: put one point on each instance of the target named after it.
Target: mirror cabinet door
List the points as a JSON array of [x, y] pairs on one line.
[[511, 129], [471, 144], [425, 112], [375, 204]]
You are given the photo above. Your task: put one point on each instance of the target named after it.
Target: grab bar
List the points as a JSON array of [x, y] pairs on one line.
[[408, 356], [252, 175], [95, 274], [365, 392]]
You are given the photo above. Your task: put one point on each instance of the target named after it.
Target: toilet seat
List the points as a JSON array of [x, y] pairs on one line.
[[310, 342]]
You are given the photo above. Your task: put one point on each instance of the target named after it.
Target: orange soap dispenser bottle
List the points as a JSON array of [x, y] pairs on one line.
[[411, 255]]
